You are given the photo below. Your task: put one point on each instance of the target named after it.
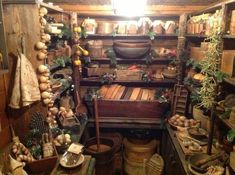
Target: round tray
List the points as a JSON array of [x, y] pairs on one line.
[[79, 162], [201, 134]]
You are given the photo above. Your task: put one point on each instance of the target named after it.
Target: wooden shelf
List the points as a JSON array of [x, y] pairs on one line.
[[52, 8], [229, 36], [231, 81], [120, 122], [140, 83], [133, 61], [202, 36], [177, 148], [127, 36], [119, 17]]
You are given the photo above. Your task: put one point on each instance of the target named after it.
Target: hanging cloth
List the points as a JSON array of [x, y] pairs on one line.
[[26, 87]]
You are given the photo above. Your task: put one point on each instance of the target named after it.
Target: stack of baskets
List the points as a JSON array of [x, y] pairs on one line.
[[154, 166], [136, 154]]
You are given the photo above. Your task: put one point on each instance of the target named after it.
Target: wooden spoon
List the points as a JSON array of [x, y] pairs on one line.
[[97, 124], [80, 108]]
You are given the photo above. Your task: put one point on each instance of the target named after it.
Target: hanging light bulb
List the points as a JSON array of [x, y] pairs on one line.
[[129, 7]]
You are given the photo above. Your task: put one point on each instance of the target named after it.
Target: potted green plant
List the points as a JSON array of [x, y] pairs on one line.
[[229, 140]]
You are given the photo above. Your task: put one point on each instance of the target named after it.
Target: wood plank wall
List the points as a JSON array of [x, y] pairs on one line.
[[18, 20]]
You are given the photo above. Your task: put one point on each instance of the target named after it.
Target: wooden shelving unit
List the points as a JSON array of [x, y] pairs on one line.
[[202, 36], [140, 83], [133, 61], [124, 36]]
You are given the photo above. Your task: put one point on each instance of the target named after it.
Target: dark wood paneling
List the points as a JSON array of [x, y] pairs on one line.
[[5, 136]]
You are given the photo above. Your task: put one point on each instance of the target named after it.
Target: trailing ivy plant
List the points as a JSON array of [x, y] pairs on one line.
[[113, 58], [210, 68]]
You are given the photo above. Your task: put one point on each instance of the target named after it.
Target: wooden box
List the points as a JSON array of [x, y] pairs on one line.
[[97, 71], [43, 165], [128, 75], [130, 109], [228, 62], [197, 53]]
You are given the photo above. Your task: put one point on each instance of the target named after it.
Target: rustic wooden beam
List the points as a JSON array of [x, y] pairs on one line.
[[152, 9], [149, 2]]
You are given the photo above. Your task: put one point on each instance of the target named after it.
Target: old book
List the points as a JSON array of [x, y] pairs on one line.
[[103, 90], [151, 94], [115, 91], [135, 94], [120, 93], [145, 94], [110, 91], [140, 94], [128, 93]]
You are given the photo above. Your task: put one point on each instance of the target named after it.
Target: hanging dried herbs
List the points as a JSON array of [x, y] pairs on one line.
[[210, 65]]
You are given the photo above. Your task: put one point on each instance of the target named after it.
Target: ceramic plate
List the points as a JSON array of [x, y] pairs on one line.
[[79, 162]]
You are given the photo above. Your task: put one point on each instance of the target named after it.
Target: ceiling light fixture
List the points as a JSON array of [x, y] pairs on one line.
[[129, 7]]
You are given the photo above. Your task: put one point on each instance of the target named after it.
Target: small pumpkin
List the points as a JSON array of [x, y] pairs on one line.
[[43, 86], [40, 45], [43, 69], [46, 101], [43, 11], [43, 79], [45, 94], [41, 55]]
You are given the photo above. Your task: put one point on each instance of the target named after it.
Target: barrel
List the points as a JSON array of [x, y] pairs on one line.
[[133, 168], [137, 153], [104, 159]]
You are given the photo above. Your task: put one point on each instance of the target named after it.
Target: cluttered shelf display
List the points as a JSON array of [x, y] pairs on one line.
[[205, 74], [127, 53]]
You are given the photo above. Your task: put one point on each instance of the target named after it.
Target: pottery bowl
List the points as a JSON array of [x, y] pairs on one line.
[[131, 49]]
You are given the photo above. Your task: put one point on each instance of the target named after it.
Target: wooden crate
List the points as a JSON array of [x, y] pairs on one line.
[[43, 165], [228, 62], [131, 109], [197, 53], [97, 71], [128, 75]]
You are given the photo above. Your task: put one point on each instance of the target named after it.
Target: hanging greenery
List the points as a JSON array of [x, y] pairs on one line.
[[210, 65], [113, 58]]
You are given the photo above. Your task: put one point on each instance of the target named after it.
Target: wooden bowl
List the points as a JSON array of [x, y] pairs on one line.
[[194, 159], [197, 133], [131, 49]]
